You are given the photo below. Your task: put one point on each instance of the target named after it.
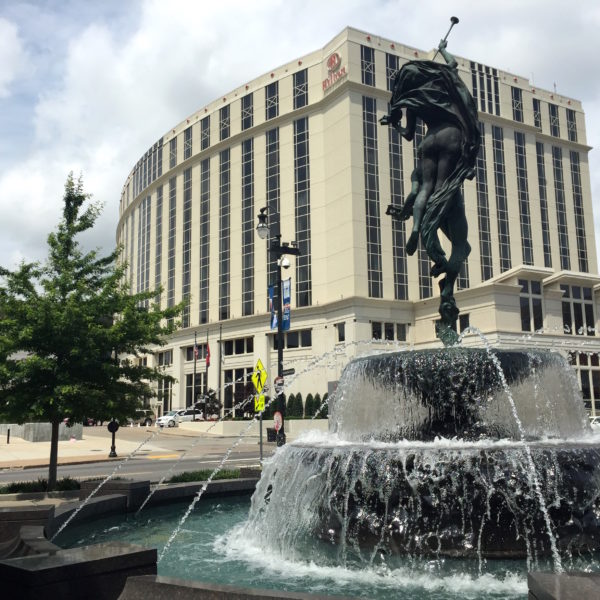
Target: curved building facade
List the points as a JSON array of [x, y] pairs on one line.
[[305, 142]]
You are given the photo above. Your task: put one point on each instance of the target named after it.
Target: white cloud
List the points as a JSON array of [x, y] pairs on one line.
[[13, 59]]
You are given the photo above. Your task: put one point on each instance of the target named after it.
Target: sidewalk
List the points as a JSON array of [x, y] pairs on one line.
[[21, 454]]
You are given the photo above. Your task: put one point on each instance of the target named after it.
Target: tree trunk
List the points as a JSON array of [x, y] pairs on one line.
[[53, 456]]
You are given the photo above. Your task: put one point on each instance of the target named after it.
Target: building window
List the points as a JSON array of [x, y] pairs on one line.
[[272, 100], [187, 143], [247, 111], [295, 339], [537, 113], [397, 199], [340, 332], [578, 310], [392, 66], [367, 65], [171, 248], [200, 389], [389, 332], [517, 103], [272, 195], [158, 241], [483, 211], [164, 395], [485, 81], [165, 358], [541, 169], [224, 234], [464, 321], [554, 120], [131, 257], [248, 227], [189, 353], [205, 133], [561, 209], [579, 216], [371, 171], [143, 270], [173, 153], [224, 123], [523, 193], [532, 316], [588, 368], [186, 246], [159, 155], [302, 212], [571, 125], [238, 391], [300, 89], [204, 238], [501, 199], [238, 346]]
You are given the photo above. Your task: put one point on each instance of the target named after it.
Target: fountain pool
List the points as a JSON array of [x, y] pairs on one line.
[[214, 548]]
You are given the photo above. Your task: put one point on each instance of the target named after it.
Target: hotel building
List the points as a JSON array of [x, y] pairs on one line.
[[304, 141]]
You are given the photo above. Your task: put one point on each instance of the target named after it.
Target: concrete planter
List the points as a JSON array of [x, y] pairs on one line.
[[135, 491]]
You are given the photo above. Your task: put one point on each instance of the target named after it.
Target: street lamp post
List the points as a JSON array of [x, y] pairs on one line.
[[278, 250]]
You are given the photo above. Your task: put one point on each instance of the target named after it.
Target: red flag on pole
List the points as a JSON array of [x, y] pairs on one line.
[[207, 355]]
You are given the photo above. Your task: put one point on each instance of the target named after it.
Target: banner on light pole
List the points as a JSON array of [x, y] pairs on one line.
[[272, 307], [287, 300]]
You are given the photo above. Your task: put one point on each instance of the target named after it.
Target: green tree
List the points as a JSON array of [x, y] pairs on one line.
[[290, 406], [325, 410], [317, 405], [309, 406], [66, 325]]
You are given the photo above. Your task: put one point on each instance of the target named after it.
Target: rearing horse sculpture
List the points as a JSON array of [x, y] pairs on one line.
[[435, 93]]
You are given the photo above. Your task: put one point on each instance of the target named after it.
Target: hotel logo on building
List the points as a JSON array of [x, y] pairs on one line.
[[335, 71]]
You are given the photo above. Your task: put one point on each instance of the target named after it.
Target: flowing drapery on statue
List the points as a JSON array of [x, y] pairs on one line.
[[434, 93]]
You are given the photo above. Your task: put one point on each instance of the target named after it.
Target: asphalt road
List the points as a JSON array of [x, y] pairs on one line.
[[200, 453]]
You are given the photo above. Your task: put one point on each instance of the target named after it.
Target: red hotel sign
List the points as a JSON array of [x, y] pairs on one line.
[[335, 71]]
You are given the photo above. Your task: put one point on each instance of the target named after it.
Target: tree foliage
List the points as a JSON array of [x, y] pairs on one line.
[[66, 323]]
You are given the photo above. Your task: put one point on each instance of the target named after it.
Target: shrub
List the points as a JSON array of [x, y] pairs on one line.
[[317, 405], [41, 485], [309, 407], [325, 410], [290, 406], [203, 475]]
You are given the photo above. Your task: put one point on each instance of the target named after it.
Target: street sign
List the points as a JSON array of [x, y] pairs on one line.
[[259, 377], [259, 403], [277, 421], [287, 372]]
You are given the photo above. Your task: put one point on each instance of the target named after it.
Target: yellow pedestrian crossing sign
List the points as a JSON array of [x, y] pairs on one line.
[[259, 377], [259, 403]]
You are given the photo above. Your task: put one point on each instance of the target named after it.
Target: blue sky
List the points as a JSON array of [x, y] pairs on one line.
[[88, 86]]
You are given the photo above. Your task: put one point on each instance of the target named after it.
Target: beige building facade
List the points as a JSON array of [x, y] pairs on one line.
[[305, 141]]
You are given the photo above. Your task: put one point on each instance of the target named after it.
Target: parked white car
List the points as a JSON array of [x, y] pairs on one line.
[[189, 414], [169, 419]]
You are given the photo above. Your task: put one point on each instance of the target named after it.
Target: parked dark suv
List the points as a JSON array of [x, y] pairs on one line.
[[144, 416]]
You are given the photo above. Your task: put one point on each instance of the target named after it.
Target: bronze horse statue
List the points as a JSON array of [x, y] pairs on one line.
[[435, 93]]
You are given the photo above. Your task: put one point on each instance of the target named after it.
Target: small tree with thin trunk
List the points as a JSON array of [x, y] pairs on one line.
[[65, 326]]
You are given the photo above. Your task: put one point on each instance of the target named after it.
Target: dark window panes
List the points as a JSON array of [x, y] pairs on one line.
[[576, 291], [189, 353], [524, 286], [536, 287], [585, 384], [578, 315], [565, 291], [341, 332], [596, 384], [583, 359], [401, 332], [587, 293], [376, 330], [589, 319], [306, 338], [240, 346], [389, 331], [463, 321], [538, 317], [567, 323], [228, 347], [525, 314], [292, 339], [249, 345], [594, 361]]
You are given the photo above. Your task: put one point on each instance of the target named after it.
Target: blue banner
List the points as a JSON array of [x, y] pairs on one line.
[[272, 308], [287, 300]]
